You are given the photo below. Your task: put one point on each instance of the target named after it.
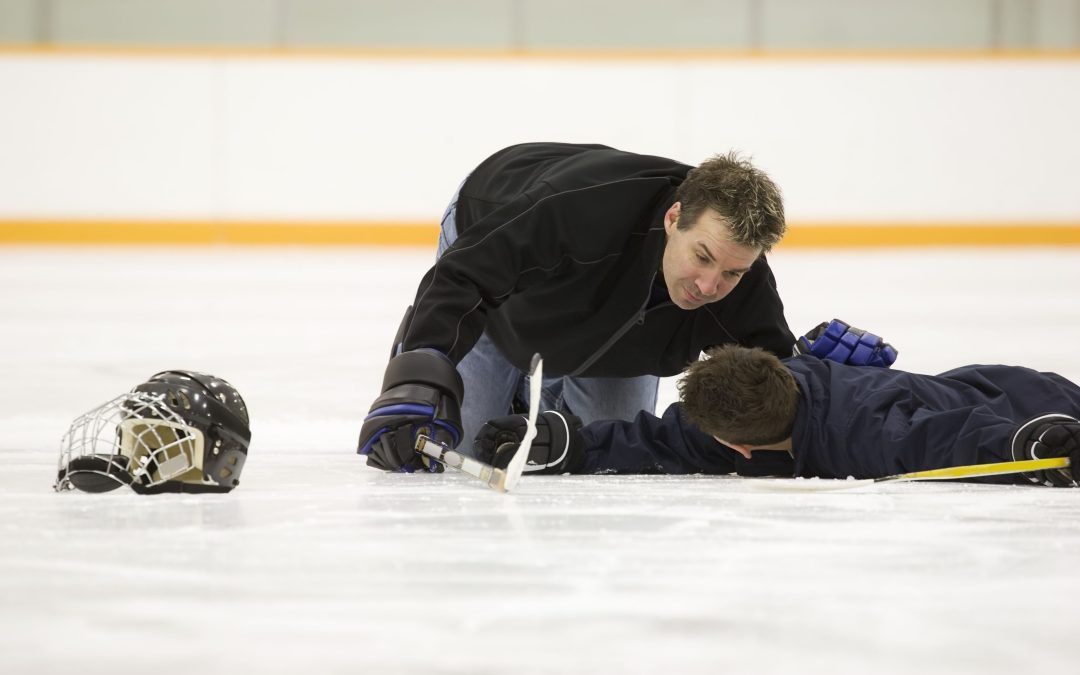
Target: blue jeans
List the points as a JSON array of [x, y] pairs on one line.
[[491, 381]]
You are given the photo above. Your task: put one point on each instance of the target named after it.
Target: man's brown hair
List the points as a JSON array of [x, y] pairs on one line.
[[740, 395], [745, 196]]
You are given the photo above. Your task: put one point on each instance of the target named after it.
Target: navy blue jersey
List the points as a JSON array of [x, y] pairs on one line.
[[853, 421]]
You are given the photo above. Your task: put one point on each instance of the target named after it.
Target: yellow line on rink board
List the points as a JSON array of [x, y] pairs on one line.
[[150, 51], [899, 235], [220, 232], [413, 233]]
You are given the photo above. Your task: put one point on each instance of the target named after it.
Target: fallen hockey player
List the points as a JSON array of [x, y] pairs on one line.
[[745, 411]]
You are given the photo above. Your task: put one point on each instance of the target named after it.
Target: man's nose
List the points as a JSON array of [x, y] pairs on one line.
[[714, 286], [709, 285]]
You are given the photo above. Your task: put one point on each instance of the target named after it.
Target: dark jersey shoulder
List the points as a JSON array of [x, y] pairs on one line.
[[529, 172]]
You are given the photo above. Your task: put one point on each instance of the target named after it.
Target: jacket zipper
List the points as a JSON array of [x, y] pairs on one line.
[[638, 318]]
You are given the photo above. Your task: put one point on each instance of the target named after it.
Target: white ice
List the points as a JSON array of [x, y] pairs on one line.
[[318, 564]]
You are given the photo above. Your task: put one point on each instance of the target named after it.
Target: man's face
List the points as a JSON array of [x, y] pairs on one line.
[[701, 264]]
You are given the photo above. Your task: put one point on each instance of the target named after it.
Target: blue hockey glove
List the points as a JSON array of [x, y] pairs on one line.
[[837, 341], [557, 448], [422, 394], [1049, 436]]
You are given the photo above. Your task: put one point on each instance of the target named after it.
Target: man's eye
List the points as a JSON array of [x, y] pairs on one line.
[[702, 258], [735, 275]]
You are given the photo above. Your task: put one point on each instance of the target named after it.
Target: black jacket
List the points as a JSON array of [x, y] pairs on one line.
[[856, 421], [557, 251]]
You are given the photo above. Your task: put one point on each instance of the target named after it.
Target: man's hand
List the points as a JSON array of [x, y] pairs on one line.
[[556, 449], [422, 394], [837, 341], [1046, 436]]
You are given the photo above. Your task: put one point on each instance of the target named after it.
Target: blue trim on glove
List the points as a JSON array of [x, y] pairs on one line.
[[450, 429], [408, 409], [402, 409]]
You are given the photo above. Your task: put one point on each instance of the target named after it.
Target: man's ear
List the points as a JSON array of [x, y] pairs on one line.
[[671, 218]]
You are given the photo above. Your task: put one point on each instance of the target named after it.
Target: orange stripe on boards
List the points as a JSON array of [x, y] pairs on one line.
[[882, 235], [209, 232], [526, 54], [800, 235]]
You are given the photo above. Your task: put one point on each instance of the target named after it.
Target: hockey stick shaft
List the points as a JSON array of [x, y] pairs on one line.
[[495, 478], [976, 470], [516, 466], [488, 474]]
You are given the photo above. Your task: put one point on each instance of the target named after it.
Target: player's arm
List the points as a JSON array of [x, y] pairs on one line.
[[669, 444], [422, 390], [646, 445]]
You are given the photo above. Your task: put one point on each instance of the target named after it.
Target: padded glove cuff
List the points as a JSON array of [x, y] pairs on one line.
[[425, 367]]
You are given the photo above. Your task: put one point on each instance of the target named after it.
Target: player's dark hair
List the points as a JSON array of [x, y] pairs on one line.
[[745, 196], [740, 395]]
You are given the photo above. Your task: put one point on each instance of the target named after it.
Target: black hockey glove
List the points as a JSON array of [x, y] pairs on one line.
[[422, 394], [840, 342], [556, 449], [1049, 436]]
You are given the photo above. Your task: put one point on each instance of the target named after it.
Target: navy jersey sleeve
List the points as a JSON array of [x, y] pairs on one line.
[[668, 445]]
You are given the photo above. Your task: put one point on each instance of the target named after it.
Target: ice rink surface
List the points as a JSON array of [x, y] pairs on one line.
[[318, 564]]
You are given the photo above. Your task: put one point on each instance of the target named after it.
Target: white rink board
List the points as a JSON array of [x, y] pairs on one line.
[[377, 140], [318, 564]]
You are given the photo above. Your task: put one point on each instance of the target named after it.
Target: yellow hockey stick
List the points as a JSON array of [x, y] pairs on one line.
[[949, 473], [975, 470]]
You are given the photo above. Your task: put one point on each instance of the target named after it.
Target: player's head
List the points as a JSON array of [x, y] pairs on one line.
[[180, 431], [746, 199], [740, 395], [726, 214]]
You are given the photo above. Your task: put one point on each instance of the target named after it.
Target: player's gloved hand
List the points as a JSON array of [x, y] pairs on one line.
[[557, 448], [422, 394], [1046, 436], [837, 341]]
